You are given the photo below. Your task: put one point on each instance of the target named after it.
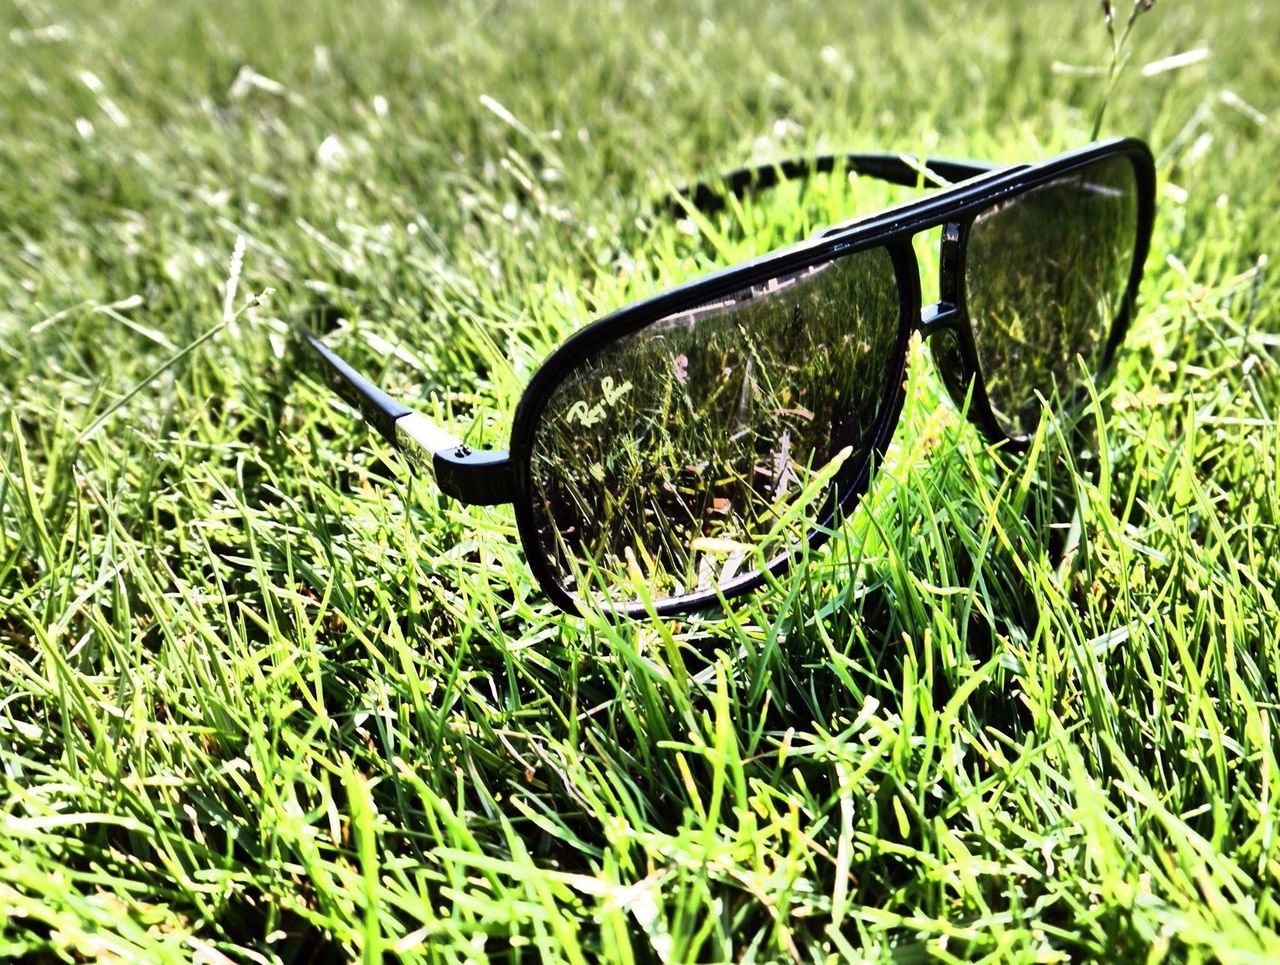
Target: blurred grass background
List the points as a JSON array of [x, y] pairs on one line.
[[264, 696]]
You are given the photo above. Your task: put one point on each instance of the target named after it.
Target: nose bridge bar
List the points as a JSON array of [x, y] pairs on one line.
[[937, 317], [946, 312]]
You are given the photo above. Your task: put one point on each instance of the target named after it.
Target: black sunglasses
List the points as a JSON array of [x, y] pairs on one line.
[[676, 452]]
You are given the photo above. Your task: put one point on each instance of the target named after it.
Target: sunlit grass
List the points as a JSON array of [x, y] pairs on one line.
[[263, 694]]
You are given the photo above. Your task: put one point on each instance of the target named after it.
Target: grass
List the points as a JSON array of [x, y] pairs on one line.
[[265, 696]]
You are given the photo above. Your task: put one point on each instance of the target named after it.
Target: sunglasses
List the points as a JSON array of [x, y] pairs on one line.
[[681, 450]]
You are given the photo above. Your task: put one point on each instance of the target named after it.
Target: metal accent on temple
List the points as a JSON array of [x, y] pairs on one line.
[[416, 431]]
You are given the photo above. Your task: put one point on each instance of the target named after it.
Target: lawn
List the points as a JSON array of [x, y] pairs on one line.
[[266, 695]]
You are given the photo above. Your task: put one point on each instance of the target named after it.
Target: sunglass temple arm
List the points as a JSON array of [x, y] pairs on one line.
[[476, 477], [907, 170]]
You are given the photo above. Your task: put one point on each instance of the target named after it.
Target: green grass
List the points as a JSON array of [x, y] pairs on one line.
[[263, 695]]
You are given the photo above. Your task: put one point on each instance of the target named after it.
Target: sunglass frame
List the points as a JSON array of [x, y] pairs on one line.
[[951, 208]]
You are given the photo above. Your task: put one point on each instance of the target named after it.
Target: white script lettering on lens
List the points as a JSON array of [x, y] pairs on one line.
[[586, 415]]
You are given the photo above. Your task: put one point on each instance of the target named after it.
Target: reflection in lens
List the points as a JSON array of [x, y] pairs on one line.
[[683, 456], [1045, 275]]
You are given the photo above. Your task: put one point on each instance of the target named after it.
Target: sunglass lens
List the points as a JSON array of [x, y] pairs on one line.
[[1045, 275], [677, 459]]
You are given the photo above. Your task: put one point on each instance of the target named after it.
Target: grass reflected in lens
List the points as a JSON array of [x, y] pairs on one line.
[[674, 461], [1045, 275]]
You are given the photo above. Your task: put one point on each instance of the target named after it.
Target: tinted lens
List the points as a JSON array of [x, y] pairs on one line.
[[1046, 273], [685, 455]]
